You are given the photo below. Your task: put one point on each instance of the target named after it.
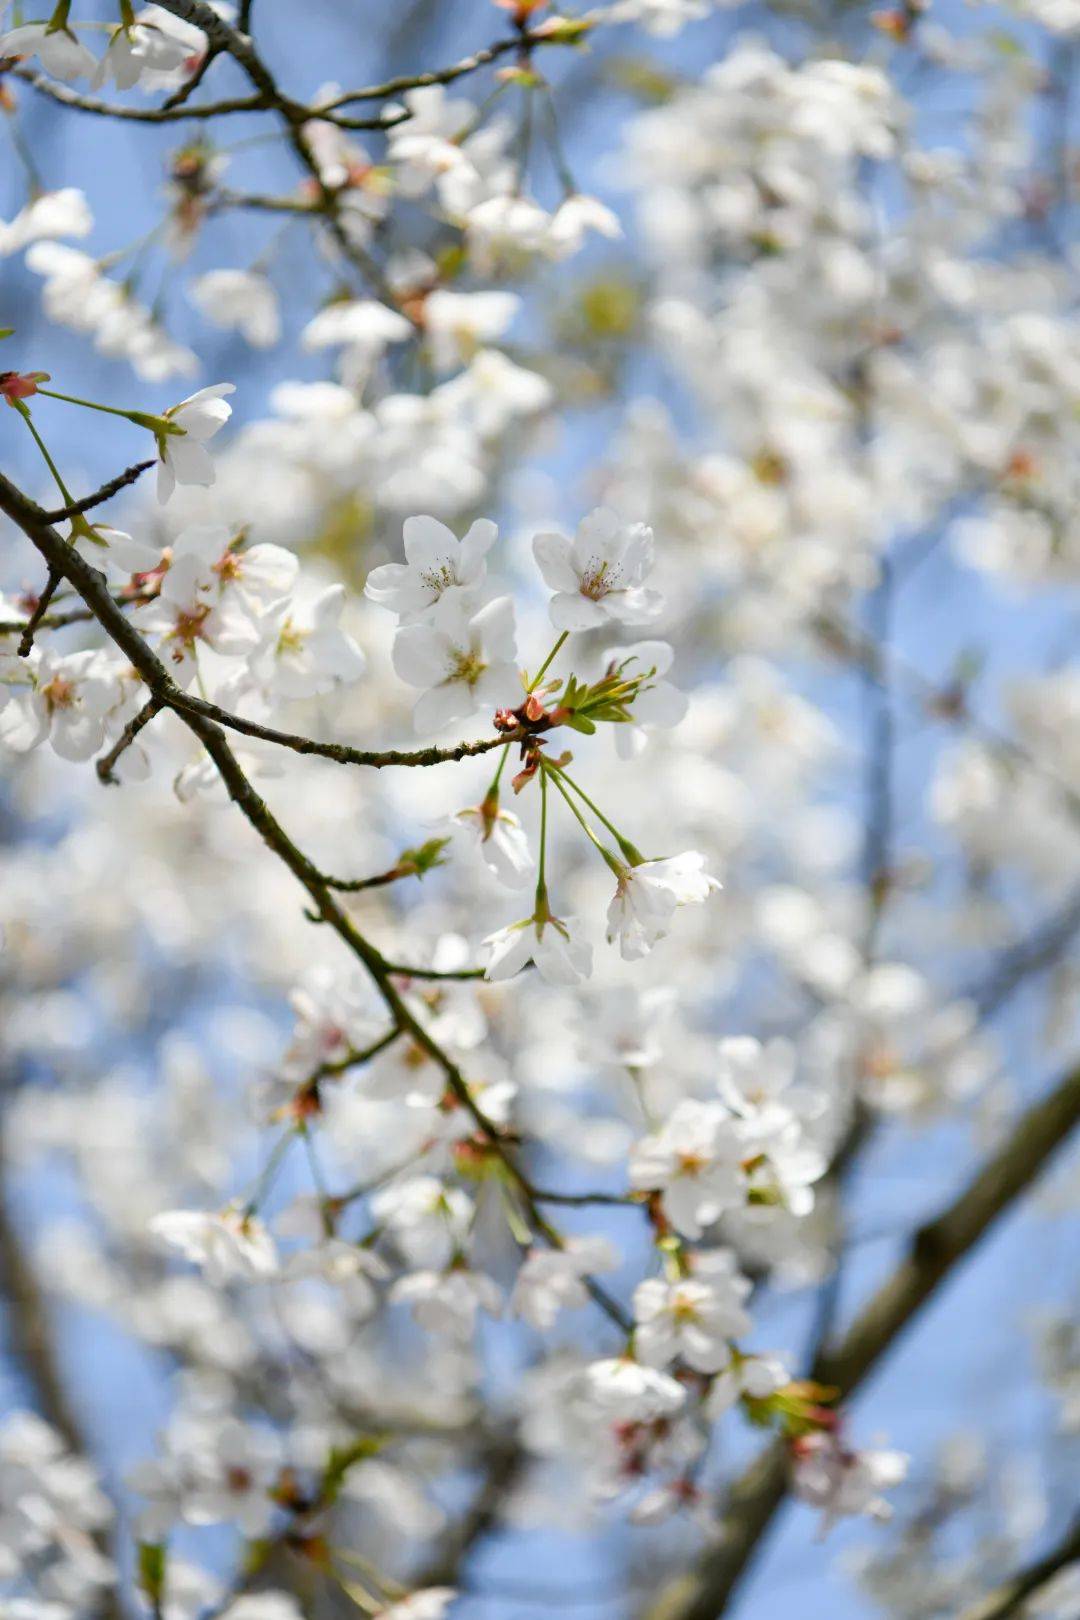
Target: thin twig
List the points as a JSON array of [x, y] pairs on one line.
[[129, 476], [105, 764], [92, 587], [26, 640]]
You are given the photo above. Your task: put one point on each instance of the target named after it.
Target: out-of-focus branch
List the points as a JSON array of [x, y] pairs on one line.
[[934, 1251], [1007, 1598], [32, 1345], [501, 1467], [944, 704]]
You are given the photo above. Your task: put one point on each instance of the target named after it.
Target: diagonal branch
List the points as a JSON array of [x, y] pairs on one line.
[[130, 475], [1007, 1598], [935, 1250], [92, 587]]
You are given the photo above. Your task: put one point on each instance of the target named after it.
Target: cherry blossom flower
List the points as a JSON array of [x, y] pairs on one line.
[[842, 1482], [465, 661], [242, 299], [458, 324], [549, 1281], [504, 228], [54, 213], [266, 1605], [756, 1376], [58, 50], [692, 1319], [216, 594], [501, 840], [625, 1391], [428, 1220], [575, 216], [695, 1162], [363, 328], [547, 941], [493, 392], [68, 702], [427, 145], [137, 51], [448, 1301], [310, 652], [335, 1013], [599, 576], [226, 1244], [647, 897], [431, 1603], [183, 457], [661, 17], [438, 566]]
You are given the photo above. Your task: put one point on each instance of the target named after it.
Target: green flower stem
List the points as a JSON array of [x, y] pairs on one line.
[[269, 1171], [631, 851], [542, 671], [156, 424], [541, 876], [612, 861], [58, 22], [494, 788], [24, 411]]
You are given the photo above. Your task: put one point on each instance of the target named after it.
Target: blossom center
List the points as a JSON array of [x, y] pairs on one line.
[[59, 693], [598, 578], [439, 578], [468, 667]]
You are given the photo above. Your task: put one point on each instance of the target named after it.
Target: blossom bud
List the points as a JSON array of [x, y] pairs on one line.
[[20, 384]]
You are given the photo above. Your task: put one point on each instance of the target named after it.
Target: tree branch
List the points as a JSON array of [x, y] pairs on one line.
[[1005, 1599], [130, 475], [92, 587], [935, 1250]]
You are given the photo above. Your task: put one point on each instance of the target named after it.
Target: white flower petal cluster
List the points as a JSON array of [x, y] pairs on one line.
[[694, 1319], [77, 294], [52, 1513], [368, 1217], [843, 1482], [598, 577], [240, 299], [227, 1244]]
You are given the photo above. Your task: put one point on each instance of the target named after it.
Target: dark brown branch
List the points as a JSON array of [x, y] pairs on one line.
[[50, 621], [1007, 1598], [130, 475], [401, 970], [26, 640], [935, 1250], [105, 764], [136, 115], [179, 97], [524, 40], [92, 587]]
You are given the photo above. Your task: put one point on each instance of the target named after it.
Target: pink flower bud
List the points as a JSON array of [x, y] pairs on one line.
[[20, 385]]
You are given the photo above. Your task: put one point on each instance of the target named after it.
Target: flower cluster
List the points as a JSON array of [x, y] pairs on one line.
[[593, 523]]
